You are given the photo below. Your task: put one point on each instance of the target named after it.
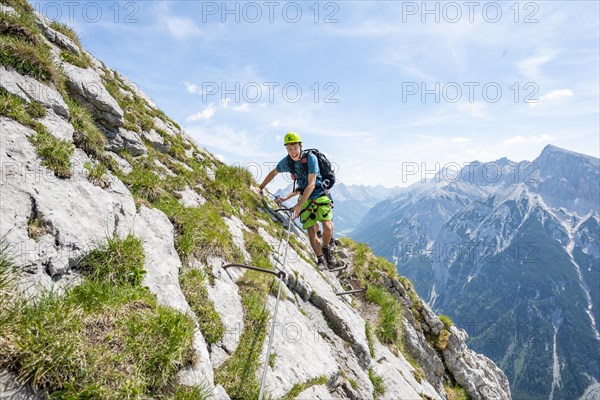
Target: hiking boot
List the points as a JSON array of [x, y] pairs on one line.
[[329, 257], [321, 266]]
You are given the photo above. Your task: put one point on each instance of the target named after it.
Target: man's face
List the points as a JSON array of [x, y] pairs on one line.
[[294, 150]]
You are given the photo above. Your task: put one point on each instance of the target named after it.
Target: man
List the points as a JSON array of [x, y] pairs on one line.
[[314, 205]]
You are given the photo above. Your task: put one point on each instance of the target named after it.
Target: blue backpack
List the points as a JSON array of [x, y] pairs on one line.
[[325, 168]]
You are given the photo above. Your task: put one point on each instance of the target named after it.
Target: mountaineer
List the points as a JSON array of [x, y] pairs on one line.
[[315, 204]]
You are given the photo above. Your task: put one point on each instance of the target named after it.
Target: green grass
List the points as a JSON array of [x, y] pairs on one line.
[[200, 231], [232, 184], [300, 387], [27, 58], [81, 61], [259, 250], [106, 338], [96, 174], [87, 136], [238, 373], [370, 338], [145, 183], [8, 278], [389, 322], [192, 282], [446, 321], [455, 392], [55, 153], [377, 381], [118, 262]]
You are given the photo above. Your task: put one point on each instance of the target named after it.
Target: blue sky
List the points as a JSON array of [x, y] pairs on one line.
[[381, 87]]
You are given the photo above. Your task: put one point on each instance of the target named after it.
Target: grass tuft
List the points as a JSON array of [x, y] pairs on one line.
[[119, 262], [389, 323], [193, 286], [106, 338], [377, 381]]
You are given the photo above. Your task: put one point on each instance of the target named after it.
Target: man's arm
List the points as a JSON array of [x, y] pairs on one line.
[[268, 179]]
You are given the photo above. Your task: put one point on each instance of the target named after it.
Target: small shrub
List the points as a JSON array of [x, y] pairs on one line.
[[442, 340], [446, 321]]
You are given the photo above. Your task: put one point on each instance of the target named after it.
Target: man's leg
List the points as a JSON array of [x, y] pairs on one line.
[[327, 232], [327, 235], [314, 239]]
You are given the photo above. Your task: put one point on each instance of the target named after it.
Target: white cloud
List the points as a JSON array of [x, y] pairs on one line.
[[192, 88], [530, 67], [242, 108], [553, 96], [459, 139], [275, 124], [529, 139], [181, 27], [203, 115]]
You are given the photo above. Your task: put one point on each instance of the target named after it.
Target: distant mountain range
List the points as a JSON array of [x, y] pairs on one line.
[[351, 203], [511, 251]]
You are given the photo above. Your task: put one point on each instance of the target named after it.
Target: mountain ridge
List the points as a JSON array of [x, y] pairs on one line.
[[504, 230]]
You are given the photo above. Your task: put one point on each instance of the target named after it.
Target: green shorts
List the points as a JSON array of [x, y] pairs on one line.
[[316, 210]]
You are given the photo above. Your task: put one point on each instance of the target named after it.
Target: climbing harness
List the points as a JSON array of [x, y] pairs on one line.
[[280, 274]]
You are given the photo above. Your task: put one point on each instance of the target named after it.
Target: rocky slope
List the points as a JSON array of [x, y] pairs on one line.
[[115, 228]]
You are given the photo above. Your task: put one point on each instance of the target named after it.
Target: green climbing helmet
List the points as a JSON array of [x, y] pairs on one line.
[[291, 137]]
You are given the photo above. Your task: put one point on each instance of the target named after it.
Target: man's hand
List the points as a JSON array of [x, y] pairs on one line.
[[259, 191], [279, 200], [296, 210]]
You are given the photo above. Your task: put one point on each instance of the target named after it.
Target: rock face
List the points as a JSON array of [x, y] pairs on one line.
[[320, 343], [86, 85]]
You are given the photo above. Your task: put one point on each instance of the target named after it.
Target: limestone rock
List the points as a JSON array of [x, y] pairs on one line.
[[190, 198], [319, 392], [86, 85], [56, 37], [58, 126], [11, 389], [477, 374], [7, 10], [30, 89], [300, 353], [123, 164], [156, 140], [122, 139], [162, 262]]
